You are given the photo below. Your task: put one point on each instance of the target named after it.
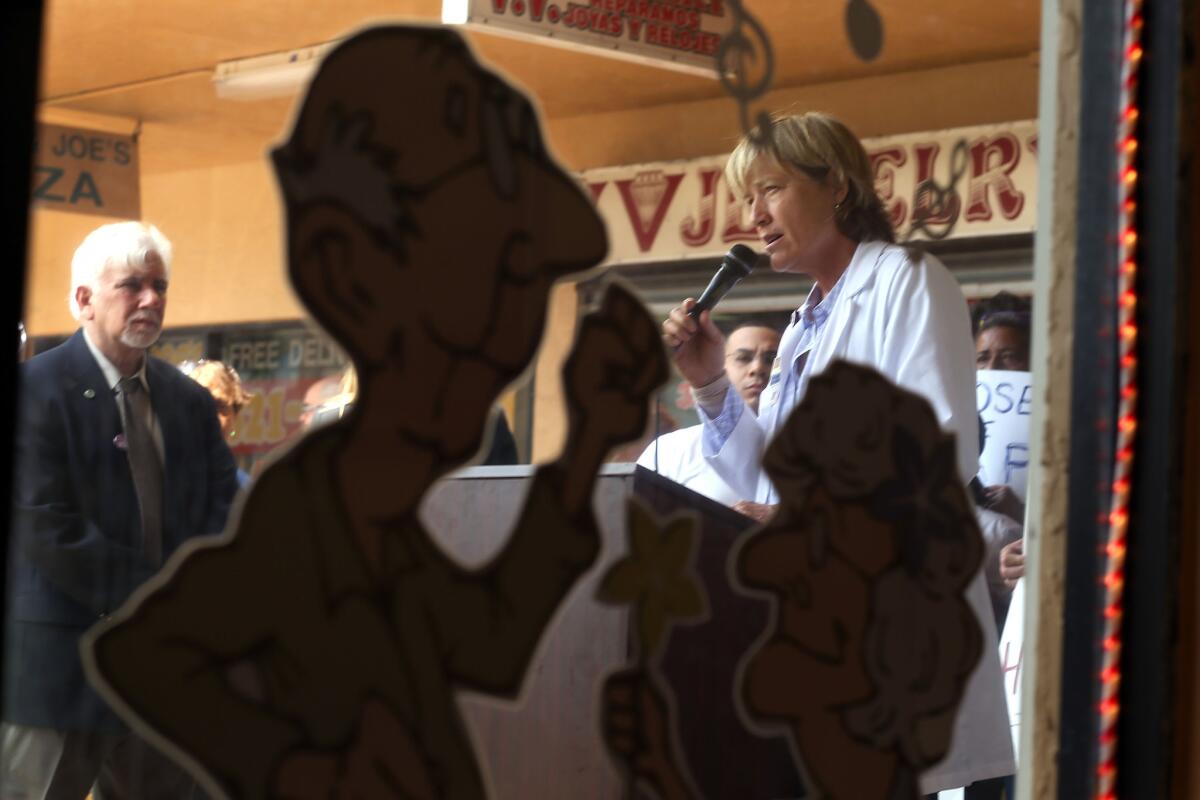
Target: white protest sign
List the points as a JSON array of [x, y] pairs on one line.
[[1004, 400], [1012, 647]]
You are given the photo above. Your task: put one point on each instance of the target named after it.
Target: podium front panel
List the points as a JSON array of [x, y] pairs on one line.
[[547, 743]]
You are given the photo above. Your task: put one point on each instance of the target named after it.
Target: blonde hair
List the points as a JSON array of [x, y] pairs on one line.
[[826, 150], [211, 374], [131, 242], [348, 385]]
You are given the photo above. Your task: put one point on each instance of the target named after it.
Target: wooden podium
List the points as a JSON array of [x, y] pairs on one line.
[[547, 745]]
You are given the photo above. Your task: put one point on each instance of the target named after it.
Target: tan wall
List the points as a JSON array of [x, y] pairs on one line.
[[549, 420], [224, 223], [225, 219], [968, 94]]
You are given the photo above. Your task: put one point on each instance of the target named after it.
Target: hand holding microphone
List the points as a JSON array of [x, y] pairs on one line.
[[697, 345], [737, 264]]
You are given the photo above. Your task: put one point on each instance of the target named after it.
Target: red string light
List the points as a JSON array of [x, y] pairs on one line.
[[1127, 420]]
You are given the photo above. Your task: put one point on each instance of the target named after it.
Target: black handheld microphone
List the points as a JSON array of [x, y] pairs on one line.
[[737, 264]]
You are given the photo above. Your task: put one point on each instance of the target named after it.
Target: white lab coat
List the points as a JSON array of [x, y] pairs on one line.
[[908, 320], [678, 455]]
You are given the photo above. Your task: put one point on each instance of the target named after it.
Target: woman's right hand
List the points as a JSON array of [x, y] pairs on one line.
[[697, 347]]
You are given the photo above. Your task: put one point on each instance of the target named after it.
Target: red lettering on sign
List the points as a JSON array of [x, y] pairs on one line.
[[1013, 666], [926, 156], [734, 213], [992, 162], [698, 230], [596, 189], [655, 197], [883, 164], [1032, 143]]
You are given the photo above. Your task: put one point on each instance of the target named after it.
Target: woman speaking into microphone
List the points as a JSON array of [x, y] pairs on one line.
[[810, 190]]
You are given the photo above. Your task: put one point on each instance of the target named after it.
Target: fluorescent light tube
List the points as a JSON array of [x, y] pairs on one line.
[[272, 75]]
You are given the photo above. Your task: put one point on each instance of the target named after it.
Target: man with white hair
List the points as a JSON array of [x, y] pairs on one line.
[[120, 458]]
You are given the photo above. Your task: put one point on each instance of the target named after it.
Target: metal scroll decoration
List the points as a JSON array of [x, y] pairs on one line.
[[935, 211], [745, 48]]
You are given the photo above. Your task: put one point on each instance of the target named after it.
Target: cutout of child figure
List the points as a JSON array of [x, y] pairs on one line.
[[868, 561]]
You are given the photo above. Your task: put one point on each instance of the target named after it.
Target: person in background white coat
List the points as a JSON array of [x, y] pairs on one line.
[[750, 351], [810, 189]]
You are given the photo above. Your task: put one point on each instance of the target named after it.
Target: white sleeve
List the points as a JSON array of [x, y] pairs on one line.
[[736, 457], [646, 459], [928, 350]]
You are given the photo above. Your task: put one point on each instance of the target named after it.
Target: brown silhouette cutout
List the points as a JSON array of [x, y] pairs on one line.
[[867, 561], [314, 650], [657, 579]]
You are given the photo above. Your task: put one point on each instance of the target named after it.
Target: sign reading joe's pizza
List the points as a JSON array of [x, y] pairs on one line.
[[682, 34], [86, 172]]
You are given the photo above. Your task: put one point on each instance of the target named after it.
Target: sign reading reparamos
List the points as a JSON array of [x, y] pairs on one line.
[[674, 33]]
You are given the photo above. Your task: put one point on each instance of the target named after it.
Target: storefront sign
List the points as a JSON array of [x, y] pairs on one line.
[[86, 172], [680, 34], [958, 183], [277, 366]]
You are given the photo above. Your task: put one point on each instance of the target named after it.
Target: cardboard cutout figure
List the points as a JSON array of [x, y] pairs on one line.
[[658, 581], [315, 651], [868, 560]]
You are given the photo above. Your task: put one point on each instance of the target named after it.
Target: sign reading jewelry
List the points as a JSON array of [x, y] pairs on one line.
[[958, 183]]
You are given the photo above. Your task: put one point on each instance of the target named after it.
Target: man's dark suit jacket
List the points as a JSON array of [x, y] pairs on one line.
[[75, 551]]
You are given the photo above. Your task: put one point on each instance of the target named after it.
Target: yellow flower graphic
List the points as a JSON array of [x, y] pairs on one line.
[[655, 577]]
